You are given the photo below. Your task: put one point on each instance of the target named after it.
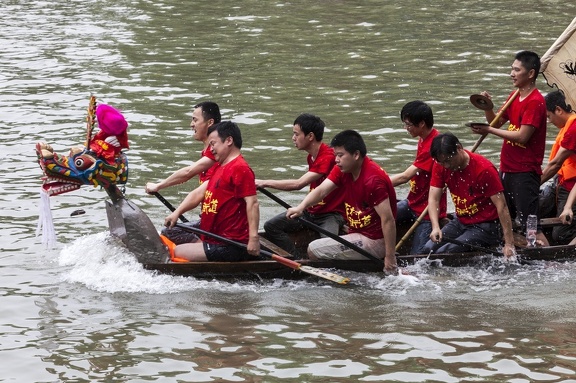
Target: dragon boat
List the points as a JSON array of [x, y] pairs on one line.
[[89, 165]]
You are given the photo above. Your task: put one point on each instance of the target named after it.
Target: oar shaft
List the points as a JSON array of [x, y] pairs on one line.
[[473, 247], [169, 206], [412, 228], [478, 142], [284, 261], [321, 230], [273, 197]]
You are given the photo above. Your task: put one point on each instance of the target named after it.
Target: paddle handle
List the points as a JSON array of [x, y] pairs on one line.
[[321, 230], [285, 261], [473, 247], [169, 206], [274, 198], [412, 228]]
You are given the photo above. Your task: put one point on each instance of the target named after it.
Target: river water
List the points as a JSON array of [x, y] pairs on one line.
[[85, 311]]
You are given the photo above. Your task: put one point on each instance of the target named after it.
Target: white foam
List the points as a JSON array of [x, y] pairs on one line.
[[102, 263]]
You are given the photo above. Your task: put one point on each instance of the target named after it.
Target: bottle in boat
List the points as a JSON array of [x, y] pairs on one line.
[[531, 227]]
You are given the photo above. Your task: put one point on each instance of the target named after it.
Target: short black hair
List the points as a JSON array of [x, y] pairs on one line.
[[210, 110], [530, 60], [351, 141], [416, 111], [310, 123], [227, 129], [444, 144], [556, 99]]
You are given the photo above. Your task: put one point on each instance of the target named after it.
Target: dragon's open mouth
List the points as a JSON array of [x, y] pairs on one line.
[[55, 186]]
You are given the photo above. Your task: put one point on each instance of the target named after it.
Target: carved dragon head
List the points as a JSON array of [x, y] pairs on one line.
[[102, 163], [81, 166]]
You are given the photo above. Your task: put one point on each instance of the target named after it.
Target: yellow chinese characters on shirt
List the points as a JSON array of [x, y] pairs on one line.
[[356, 218], [514, 128], [321, 203], [412, 184], [209, 206], [462, 207]]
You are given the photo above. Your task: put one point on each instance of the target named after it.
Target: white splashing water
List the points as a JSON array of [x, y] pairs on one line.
[[102, 263]]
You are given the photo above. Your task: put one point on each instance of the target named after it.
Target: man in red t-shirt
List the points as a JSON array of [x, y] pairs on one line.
[[419, 122], [229, 206], [523, 142], [205, 114], [307, 133], [562, 161], [477, 193], [369, 204]]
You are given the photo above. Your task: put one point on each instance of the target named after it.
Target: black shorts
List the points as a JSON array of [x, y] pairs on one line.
[[522, 192], [180, 236], [226, 253]]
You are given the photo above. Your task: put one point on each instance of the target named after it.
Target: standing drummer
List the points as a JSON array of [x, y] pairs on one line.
[[524, 140]]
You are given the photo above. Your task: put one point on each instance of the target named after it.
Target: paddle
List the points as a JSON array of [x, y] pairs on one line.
[[473, 247], [169, 206], [321, 230], [284, 261], [478, 142], [263, 241]]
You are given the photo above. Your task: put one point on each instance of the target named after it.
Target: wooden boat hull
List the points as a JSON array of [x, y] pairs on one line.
[[267, 269]]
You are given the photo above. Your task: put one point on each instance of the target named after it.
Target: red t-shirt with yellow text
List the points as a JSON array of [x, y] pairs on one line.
[[420, 183], [372, 187], [323, 164], [471, 188], [224, 208], [518, 158]]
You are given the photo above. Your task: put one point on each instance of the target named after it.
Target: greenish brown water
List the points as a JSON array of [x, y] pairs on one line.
[[85, 311]]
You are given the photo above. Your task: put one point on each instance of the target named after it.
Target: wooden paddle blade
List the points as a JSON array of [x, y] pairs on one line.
[[285, 261], [308, 269], [324, 274]]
